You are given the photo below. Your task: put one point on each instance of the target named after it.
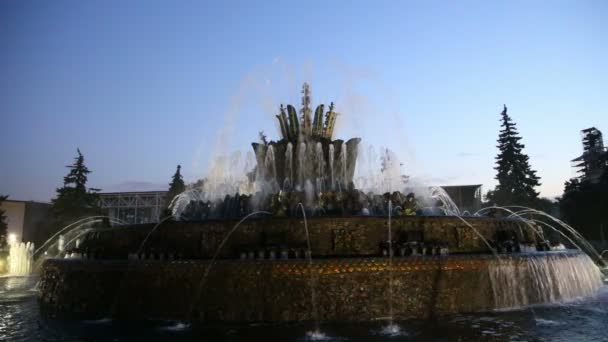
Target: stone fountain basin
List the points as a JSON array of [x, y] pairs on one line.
[[347, 289]]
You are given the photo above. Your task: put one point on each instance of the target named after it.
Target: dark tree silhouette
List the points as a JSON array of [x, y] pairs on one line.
[[3, 224], [516, 180], [584, 204], [594, 158], [74, 199], [176, 187]]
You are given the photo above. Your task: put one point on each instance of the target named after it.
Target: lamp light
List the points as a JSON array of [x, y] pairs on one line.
[[12, 238]]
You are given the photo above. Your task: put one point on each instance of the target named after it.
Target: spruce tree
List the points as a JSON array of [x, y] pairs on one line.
[[74, 199], [594, 160], [585, 199], [176, 187], [3, 225], [516, 180]]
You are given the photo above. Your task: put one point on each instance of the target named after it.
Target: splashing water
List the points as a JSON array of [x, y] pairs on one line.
[[342, 157], [270, 180], [309, 193], [513, 214], [289, 164], [57, 244], [546, 278], [379, 173], [480, 236], [270, 164], [312, 280], [565, 226], [227, 175], [180, 202], [320, 160], [390, 264], [301, 164], [176, 326], [99, 321], [558, 231], [331, 167], [392, 330], [582, 242], [316, 335], [21, 255], [74, 226], [450, 207]]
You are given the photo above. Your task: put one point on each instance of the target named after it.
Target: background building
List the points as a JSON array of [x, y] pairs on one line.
[[25, 219], [134, 207], [466, 197]]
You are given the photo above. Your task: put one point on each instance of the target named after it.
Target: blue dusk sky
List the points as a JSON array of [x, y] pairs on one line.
[[141, 86]]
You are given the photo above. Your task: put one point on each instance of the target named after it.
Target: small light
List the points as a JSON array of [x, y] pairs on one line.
[[12, 238]]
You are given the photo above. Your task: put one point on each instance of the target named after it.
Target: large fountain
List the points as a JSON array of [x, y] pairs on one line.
[[306, 244]]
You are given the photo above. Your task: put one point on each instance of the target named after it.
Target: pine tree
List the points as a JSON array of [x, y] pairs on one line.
[[585, 199], [74, 199], [516, 180], [3, 225], [176, 187], [594, 159]]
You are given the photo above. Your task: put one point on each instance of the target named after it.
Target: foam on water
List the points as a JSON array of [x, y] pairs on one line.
[[604, 271], [316, 335], [543, 278], [104, 320], [541, 321], [392, 330], [176, 326]]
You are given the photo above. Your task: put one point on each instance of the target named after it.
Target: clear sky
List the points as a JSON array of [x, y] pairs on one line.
[[141, 86]]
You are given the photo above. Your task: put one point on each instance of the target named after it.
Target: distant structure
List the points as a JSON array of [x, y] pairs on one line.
[[466, 197], [595, 156], [134, 207], [26, 220]]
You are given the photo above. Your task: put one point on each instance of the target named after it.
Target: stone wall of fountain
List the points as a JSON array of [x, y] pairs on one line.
[[330, 237], [349, 289]]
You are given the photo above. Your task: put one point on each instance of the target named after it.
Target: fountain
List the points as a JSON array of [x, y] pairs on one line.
[[20, 258], [199, 266]]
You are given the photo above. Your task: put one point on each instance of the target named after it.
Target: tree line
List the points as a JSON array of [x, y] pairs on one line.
[[583, 203]]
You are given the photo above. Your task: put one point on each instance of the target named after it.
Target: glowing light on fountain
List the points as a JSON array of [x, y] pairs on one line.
[[21, 256]]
